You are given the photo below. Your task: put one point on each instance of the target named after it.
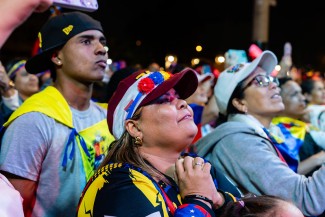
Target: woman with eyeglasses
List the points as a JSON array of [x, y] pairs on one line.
[[243, 147]]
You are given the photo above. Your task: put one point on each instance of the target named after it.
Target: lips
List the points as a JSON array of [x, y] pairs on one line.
[[276, 95], [186, 117], [102, 63]]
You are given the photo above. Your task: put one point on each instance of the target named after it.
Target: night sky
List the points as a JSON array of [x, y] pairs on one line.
[[176, 27]]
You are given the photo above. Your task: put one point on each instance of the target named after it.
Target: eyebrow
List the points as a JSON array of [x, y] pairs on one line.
[[101, 38]]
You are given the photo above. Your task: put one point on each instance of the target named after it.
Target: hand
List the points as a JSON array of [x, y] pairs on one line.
[[4, 80], [43, 5], [193, 177]]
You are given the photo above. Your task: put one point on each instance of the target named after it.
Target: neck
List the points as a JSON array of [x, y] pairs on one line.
[[77, 95], [23, 96], [162, 162], [264, 120]]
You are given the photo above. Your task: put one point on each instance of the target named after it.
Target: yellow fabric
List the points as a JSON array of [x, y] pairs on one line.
[[97, 140], [51, 103], [297, 128]]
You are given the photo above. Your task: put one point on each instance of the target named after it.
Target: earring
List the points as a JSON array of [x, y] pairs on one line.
[[138, 141], [59, 62]]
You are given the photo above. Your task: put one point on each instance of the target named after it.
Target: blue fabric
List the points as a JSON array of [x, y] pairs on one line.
[[288, 155], [197, 110]]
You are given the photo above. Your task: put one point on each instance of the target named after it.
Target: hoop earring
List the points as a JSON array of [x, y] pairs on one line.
[[138, 141]]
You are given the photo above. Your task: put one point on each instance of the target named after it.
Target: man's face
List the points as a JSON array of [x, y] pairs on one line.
[[84, 57]]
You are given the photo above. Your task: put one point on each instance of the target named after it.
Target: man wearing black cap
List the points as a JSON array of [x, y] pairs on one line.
[[53, 143]]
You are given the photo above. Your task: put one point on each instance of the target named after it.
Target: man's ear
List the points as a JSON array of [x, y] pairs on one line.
[[56, 59], [132, 127], [240, 105]]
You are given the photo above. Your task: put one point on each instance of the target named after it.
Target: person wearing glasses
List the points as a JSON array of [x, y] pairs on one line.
[[244, 149]]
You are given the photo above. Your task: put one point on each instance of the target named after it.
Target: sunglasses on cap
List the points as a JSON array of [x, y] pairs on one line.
[[262, 81]]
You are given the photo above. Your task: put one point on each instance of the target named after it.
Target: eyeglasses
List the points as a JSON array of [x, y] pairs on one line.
[[263, 81]]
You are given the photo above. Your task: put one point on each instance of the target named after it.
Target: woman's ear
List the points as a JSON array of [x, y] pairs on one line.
[[240, 105], [132, 127]]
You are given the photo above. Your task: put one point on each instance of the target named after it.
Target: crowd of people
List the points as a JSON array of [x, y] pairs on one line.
[[180, 141]]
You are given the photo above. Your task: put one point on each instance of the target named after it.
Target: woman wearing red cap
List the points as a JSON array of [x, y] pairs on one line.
[[143, 174]]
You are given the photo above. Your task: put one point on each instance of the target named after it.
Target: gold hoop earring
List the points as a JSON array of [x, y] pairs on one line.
[[138, 141]]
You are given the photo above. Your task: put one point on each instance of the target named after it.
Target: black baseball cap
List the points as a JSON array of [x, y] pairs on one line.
[[55, 33]]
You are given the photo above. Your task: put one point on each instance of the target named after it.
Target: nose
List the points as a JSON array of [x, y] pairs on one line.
[[302, 97], [181, 104], [273, 85], [32, 77], [101, 49]]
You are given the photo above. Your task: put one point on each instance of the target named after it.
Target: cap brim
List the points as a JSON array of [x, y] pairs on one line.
[[267, 61], [185, 83], [40, 62]]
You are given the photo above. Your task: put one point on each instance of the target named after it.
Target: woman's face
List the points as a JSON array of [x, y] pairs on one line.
[[317, 95], [202, 93], [25, 83], [293, 100], [168, 122], [262, 98]]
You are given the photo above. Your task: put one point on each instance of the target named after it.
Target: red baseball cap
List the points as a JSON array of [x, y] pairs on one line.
[[141, 88]]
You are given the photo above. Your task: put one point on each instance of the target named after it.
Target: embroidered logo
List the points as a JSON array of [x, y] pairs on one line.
[[235, 68], [40, 39], [68, 29]]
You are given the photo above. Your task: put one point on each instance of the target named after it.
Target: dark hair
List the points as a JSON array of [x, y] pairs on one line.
[[115, 79], [125, 150], [239, 94], [176, 67], [231, 109], [12, 62], [307, 85], [284, 80], [254, 206]]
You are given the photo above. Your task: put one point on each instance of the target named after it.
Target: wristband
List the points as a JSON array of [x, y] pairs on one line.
[[199, 197]]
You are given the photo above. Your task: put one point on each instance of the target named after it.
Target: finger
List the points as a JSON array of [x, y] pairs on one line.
[[198, 160], [207, 167], [179, 167], [188, 163]]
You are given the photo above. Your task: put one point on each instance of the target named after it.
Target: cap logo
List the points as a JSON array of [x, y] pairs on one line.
[[235, 68], [145, 86], [67, 29], [40, 39]]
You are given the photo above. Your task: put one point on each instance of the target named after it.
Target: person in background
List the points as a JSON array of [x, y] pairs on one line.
[[115, 79], [17, 86], [199, 102], [245, 150], [14, 13], [298, 136], [153, 66], [59, 135], [314, 92], [261, 206], [143, 173]]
